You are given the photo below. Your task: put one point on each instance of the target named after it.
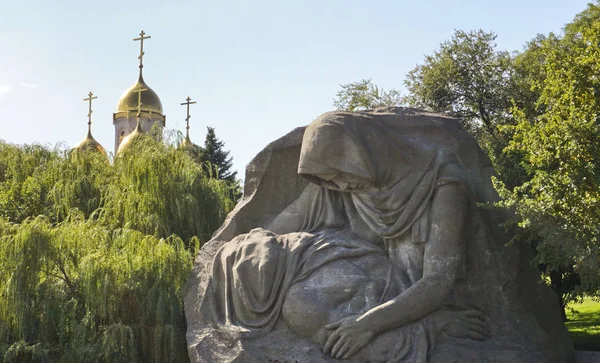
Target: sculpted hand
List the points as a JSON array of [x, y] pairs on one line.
[[470, 324], [349, 337]]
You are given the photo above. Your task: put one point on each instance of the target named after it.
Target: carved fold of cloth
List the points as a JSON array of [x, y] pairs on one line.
[[253, 273]]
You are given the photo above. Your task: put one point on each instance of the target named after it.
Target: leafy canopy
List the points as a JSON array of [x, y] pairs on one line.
[[560, 144], [364, 95], [94, 257], [466, 78]]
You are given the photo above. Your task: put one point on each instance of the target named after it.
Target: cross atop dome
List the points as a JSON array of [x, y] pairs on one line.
[[90, 98], [141, 56], [187, 143], [89, 143]]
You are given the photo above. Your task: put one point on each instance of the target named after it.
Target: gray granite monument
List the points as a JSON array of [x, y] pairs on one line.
[[362, 238]]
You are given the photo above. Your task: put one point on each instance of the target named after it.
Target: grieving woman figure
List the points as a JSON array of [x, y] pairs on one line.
[[381, 257], [413, 197]]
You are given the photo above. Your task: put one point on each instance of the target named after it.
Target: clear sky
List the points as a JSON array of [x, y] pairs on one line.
[[257, 69]]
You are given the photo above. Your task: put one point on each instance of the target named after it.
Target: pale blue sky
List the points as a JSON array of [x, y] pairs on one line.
[[256, 68]]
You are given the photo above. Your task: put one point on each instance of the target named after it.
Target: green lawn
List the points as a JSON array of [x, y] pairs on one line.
[[584, 325]]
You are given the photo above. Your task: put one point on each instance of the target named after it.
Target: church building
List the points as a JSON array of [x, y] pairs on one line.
[[139, 110], [138, 101]]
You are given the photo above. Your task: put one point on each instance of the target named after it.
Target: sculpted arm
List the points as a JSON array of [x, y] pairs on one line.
[[442, 259]]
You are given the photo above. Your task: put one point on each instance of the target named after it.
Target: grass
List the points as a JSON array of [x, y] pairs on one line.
[[584, 325]]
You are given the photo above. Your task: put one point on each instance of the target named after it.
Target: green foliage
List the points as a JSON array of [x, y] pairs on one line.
[[218, 161], [364, 95], [466, 78], [95, 271], [77, 183], [37, 181], [163, 193], [560, 144], [24, 185]]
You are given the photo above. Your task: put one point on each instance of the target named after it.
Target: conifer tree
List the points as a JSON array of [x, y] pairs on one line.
[[218, 157]]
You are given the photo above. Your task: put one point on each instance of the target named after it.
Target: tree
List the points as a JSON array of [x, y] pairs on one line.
[[466, 78], [24, 185], [560, 144], [219, 159], [364, 95], [95, 270]]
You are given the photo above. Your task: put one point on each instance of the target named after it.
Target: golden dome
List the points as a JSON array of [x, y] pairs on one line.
[[90, 144], [129, 99], [187, 143], [189, 147], [131, 138]]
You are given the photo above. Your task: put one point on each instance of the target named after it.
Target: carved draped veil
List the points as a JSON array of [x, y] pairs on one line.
[[402, 172]]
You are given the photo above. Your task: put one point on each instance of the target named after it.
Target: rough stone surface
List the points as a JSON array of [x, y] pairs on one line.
[[582, 356], [523, 316]]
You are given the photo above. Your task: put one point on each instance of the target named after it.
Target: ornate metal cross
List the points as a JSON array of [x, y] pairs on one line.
[[139, 91], [90, 98], [187, 119], [141, 39]]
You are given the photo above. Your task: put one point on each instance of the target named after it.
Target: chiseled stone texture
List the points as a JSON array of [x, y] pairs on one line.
[[524, 315], [582, 356]]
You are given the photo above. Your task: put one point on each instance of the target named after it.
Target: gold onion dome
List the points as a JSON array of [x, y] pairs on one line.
[[90, 144], [149, 101], [187, 144], [189, 147], [131, 138]]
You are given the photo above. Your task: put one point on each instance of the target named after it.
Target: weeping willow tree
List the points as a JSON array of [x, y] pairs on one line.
[[23, 184], [94, 256], [164, 193]]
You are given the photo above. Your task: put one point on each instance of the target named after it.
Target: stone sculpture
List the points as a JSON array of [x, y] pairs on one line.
[[362, 238]]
